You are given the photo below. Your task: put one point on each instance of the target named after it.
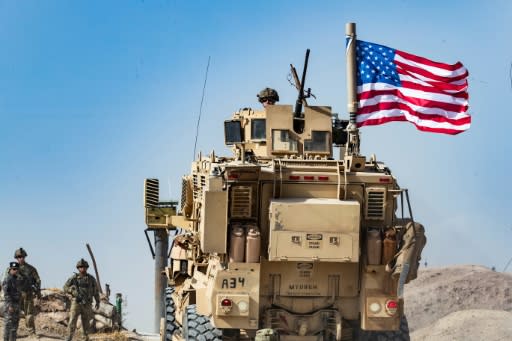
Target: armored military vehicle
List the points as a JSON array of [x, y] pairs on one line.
[[282, 241]]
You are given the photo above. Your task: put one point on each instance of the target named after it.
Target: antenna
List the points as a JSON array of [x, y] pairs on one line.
[[506, 266], [201, 107], [169, 187]]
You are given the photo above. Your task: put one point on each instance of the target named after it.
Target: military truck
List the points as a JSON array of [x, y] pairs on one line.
[[282, 241]]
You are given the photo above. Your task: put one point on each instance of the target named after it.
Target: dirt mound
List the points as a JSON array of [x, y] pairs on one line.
[[465, 302], [468, 325], [438, 292]]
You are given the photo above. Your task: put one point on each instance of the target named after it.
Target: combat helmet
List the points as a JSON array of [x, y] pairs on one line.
[[82, 262], [20, 253], [268, 94]]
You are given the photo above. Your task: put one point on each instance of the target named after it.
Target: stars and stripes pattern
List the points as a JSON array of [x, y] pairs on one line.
[[393, 85]]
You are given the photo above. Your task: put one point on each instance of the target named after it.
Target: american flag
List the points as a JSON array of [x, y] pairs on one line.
[[393, 85]]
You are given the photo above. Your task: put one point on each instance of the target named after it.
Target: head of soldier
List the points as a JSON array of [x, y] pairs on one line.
[[82, 266], [20, 255], [13, 268], [268, 96]]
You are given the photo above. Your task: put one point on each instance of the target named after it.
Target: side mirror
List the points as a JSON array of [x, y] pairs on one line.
[[233, 132]]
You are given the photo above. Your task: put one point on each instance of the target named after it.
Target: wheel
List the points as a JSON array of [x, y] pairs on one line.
[[198, 327], [170, 320], [401, 334]]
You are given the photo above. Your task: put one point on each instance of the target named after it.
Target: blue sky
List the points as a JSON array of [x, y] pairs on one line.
[[96, 96]]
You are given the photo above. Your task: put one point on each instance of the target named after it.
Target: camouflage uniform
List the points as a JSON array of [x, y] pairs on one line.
[[29, 284], [83, 288], [12, 306]]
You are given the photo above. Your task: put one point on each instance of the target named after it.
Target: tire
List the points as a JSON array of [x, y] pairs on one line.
[[170, 309], [198, 327], [401, 334]]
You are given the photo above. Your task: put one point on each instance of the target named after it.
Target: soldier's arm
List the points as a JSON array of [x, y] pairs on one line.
[[5, 289], [94, 291], [36, 282], [8, 286], [37, 279], [67, 286]]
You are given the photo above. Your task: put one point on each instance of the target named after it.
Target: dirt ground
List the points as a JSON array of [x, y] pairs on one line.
[[468, 325], [463, 302]]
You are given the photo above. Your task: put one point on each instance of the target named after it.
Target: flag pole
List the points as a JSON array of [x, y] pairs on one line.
[[352, 102]]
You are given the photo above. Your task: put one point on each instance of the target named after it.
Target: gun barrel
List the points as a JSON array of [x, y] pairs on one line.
[[298, 105], [297, 81]]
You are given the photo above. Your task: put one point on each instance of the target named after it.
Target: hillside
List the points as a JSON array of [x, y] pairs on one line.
[[463, 302]]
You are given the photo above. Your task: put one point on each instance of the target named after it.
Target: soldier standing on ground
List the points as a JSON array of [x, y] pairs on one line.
[[29, 285], [82, 287], [268, 96], [12, 302]]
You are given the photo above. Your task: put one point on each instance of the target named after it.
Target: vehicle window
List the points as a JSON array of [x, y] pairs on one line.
[[282, 141], [258, 129], [319, 142], [232, 132]]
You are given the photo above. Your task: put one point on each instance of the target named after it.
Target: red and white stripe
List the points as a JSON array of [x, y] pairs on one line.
[[433, 96]]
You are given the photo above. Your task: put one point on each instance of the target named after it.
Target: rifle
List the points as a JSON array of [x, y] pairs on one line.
[[80, 299]]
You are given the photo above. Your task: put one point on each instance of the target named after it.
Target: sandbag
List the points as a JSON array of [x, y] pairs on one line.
[[104, 320], [106, 309], [266, 335]]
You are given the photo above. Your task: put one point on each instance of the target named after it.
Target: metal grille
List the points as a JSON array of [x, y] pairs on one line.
[[199, 185], [375, 203], [241, 201], [151, 192], [184, 190], [195, 185]]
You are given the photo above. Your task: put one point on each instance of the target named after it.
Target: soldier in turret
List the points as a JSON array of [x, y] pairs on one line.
[[12, 296], [268, 96], [29, 285], [82, 287]]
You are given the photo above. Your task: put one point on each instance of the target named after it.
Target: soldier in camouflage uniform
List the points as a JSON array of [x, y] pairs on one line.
[[29, 284], [268, 96], [12, 298], [82, 287]]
